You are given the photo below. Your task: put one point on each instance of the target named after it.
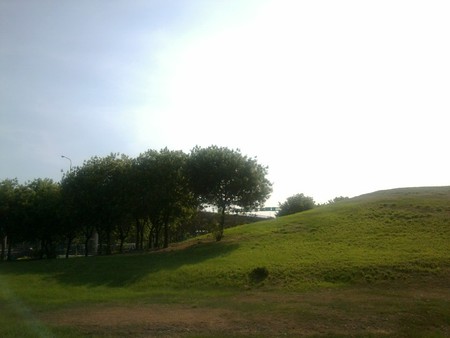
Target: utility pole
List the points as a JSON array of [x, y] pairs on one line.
[[62, 156]]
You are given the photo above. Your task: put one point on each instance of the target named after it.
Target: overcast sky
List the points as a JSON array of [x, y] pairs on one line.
[[335, 97]]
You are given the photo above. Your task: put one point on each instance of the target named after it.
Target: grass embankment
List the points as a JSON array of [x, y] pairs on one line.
[[377, 264]]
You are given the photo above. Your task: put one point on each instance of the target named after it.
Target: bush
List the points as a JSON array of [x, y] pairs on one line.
[[257, 275], [296, 203]]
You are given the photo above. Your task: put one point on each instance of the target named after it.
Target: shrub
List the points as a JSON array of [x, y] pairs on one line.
[[257, 275], [296, 203]]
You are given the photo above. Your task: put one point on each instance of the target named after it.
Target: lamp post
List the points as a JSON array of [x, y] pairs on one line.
[[62, 156]]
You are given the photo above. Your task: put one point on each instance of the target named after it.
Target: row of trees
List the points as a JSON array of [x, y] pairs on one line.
[[149, 199], [299, 202]]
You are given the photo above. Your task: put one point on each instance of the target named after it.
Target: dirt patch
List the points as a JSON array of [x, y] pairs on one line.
[[357, 311], [151, 320]]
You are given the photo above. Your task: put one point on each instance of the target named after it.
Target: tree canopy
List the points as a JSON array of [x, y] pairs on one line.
[[227, 179], [154, 194], [294, 204]]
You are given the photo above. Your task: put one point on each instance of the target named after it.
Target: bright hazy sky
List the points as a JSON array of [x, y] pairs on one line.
[[335, 97]]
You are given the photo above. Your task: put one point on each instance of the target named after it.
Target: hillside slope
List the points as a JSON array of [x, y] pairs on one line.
[[374, 265], [379, 236]]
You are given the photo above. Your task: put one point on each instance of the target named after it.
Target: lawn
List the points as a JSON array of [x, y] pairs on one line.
[[374, 265]]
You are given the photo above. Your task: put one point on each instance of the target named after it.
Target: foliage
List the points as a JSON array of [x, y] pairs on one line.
[[111, 196], [16, 214], [257, 275], [7, 189], [162, 192], [337, 199], [108, 195], [294, 204], [43, 219], [227, 179]]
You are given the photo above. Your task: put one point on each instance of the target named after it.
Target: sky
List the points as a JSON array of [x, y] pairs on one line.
[[337, 98]]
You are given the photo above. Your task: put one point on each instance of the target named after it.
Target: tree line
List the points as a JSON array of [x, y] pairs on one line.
[[149, 200], [299, 202]]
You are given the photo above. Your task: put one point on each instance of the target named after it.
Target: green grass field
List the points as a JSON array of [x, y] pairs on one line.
[[375, 265]]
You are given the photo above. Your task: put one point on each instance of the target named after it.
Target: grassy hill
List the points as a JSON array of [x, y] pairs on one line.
[[397, 240]]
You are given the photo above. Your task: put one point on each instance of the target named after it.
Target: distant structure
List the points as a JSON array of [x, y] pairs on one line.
[[265, 212], [269, 209]]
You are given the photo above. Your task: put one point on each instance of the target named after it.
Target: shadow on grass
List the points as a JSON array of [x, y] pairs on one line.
[[117, 270]]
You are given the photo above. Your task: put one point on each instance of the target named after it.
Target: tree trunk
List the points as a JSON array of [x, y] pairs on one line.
[[100, 243], [138, 234], [51, 249], [86, 246], [88, 232], [43, 249], [142, 239], [151, 236], [69, 245], [166, 235], [2, 254], [124, 231], [108, 241], [219, 234], [9, 256], [122, 240], [122, 237], [166, 230], [156, 234]]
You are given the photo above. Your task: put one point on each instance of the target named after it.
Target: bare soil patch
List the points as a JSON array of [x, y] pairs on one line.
[[377, 311], [171, 321], [143, 320]]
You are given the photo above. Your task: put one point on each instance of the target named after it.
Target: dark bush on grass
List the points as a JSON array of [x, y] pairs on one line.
[[257, 275]]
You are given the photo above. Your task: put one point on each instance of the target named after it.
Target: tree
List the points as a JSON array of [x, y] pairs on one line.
[[108, 194], [43, 222], [120, 192], [337, 199], [294, 204], [78, 194], [71, 228], [104, 194], [7, 188], [113, 196], [18, 214], [161, 192], [29, 213], [227, 179]]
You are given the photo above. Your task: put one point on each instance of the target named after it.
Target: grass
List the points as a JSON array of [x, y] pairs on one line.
[[320, 272]]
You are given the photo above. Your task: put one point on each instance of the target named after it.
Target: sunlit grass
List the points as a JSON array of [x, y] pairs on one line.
[[378, 236], [384, 237]]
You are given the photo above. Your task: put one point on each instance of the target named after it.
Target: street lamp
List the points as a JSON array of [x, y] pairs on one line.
[[62, 156]]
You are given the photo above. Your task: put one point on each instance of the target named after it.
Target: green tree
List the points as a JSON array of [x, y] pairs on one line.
[[18, 213], [337, 199], [7, 188], [161, 192], [80, 204], [96, 196], [227, 179], [71, 228], [106, 189], [120, 192], [44, 216], [294, 204]]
